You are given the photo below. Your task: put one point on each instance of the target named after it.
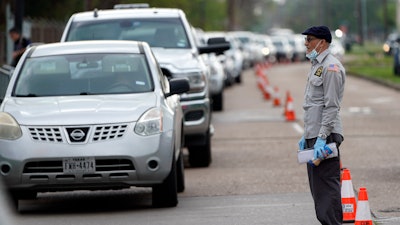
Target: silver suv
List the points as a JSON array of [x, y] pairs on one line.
[[170, 36], [92, 115]]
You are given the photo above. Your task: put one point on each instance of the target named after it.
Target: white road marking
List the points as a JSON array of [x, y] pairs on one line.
[[298, 128], [363, 110], [382, 100]]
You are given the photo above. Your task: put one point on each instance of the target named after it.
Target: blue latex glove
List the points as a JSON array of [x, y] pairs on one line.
[[302, 143], [319, 149]]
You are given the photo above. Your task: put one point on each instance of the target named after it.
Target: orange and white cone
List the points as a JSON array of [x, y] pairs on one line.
[[289, 110], [260, 78], [266, 88], [258, 69], [363, 214], [277, 100], [349, 204]]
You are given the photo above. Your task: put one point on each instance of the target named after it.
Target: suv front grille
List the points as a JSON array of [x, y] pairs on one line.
[[114, 165], [61, 134], [44, 167], [102, 165], [46, 134], [109, 132]]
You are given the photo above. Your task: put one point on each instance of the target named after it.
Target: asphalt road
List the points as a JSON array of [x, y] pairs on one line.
[[254, 177]]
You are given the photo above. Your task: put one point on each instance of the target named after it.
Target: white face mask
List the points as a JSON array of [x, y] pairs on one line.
[[313, 54]]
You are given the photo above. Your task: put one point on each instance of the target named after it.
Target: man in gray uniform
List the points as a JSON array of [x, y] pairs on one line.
[[322, 123]]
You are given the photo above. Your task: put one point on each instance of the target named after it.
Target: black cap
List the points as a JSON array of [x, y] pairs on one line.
[[321, 32], [15, 30]]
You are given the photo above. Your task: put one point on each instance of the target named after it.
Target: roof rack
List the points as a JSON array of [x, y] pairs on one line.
[[132, 6]]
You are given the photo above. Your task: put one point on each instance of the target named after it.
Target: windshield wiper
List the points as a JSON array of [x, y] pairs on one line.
[[28, 95]]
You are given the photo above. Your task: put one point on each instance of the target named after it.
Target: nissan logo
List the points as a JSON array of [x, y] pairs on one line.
[[77, 134]]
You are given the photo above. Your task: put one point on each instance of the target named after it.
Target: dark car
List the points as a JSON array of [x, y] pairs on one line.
[[396, 55], [391, 43]]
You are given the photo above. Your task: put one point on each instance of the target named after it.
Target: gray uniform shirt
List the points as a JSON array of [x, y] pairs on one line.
[[323, 96]]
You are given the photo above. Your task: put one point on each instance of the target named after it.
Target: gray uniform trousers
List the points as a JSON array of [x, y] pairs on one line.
[[325, 186]]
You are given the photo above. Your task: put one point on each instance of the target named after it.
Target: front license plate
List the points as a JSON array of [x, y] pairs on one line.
[[79, 165]]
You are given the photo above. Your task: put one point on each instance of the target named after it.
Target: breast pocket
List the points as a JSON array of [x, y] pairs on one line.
[[316, 88]]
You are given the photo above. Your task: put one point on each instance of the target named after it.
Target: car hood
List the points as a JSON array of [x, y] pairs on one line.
[[74, 110], [181, 59]]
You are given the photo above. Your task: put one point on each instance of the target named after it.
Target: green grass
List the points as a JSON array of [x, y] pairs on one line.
[[370, 61]]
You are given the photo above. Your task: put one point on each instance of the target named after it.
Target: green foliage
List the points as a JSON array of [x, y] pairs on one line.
[[370, 61], [391, 11], [253, 15], [299, 14], [59, 10], [206, 14]]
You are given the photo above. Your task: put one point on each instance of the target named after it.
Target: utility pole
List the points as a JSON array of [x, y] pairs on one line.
[[232, 15], [398, 15], [360, 22], [385, 19], [19, 14], [364, 19]]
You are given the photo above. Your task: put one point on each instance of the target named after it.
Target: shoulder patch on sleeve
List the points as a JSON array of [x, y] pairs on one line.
[[333, 68], [318, 72]]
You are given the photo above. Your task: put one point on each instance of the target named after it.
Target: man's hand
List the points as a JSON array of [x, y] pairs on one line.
[[319, 152], [302, 143]]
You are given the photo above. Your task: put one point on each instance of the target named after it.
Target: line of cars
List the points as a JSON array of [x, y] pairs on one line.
[[110, 107], [279, 46]]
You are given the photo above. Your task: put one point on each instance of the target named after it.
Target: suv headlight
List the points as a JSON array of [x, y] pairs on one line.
[[149, 123], [9, 128], [197, 81]]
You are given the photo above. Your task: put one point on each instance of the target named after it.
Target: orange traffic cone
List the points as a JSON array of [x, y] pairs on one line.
[[260, 81], [265, 66], [277, 100], [363, 214], [258, 69], [285, 105], [266, 87], [289, 109], [349, 204]]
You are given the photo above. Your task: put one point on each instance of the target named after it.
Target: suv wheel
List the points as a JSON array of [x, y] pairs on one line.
[[238, 79], [200, 155], [166, 194], [180, 174], [218, 101]]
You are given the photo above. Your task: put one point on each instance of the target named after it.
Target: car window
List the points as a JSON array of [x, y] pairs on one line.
[[83, 74], [160, 32], [4, 79]]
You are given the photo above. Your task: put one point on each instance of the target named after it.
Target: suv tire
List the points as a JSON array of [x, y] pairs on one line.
[[200, 155], [166, 194], [180, 174], [218, 102]]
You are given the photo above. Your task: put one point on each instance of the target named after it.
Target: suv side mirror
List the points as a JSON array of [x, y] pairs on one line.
[[178, 86], [217, 45]]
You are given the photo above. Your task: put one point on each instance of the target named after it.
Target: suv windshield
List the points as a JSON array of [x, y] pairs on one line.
[[83, 74], [160, 32]]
